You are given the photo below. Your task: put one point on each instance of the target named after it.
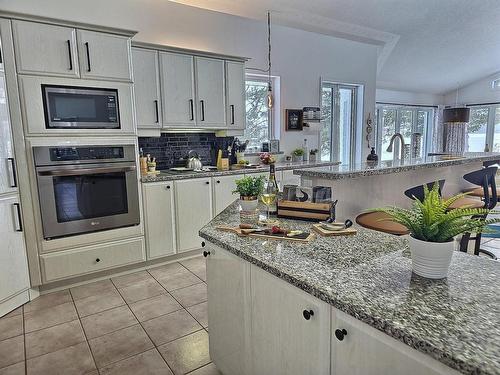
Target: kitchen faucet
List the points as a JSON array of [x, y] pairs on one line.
[[402, 146]]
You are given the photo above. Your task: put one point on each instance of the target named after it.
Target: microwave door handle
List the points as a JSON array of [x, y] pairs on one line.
[[83, 171]]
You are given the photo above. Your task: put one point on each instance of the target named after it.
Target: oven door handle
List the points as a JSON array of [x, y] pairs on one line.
[[76, 172]]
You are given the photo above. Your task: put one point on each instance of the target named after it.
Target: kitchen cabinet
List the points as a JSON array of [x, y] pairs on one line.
[[223, 192], [8, 178], [228, 304], [210, 89], [193, 202], [146, 88], [177, 83], [235, 95], [104, 56], [44, 49], [158, 206], [290, 329]]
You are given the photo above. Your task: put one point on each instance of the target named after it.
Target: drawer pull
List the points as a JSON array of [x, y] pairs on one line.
[[307, 314], [168, 186], [203, 244], [97, 260], [340, 334], [206, 253]]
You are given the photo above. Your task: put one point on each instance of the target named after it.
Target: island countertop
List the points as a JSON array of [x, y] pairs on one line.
[[368, 276], [344, 171]]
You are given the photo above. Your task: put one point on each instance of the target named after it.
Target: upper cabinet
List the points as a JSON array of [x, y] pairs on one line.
[[235, 95], [210, 82], [146, 88]]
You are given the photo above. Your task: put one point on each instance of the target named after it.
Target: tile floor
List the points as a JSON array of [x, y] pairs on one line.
[[149, 322]]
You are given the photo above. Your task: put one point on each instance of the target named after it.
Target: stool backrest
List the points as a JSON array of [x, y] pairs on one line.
[[418, 191], [486, 179], [489, 163]]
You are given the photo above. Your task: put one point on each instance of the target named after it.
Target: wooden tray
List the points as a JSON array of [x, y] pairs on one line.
[[304, 210], [305, 237], [327, 233]]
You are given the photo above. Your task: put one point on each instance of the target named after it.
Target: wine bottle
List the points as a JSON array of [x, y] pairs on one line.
[[271, 191]]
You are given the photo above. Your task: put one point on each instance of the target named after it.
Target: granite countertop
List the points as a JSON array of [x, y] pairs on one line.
[[280, 166], [368, 276], [344, 171]]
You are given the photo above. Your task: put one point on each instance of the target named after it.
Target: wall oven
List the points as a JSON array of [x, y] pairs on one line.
[[80, 107], [85, 189]]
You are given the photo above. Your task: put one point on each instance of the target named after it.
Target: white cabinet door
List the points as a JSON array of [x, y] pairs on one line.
[[146, 88], [45, 49], [159, 216], [228, 286], [193, 202], [8, 180], [284, 341], [223, 192], [210, 92], [13, 264], [104, 56], [365, 350], [235, 94], [177, 86]]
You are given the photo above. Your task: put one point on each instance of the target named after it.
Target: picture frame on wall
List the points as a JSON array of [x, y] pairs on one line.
[[294, 119]]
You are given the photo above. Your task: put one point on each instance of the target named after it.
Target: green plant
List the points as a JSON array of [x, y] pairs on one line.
[[431, 220], [249, 186], [298, 152]]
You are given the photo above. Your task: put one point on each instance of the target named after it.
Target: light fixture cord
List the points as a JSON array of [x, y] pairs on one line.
[[269, 51]]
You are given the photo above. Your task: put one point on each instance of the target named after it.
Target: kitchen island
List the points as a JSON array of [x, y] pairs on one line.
[[345, 305]]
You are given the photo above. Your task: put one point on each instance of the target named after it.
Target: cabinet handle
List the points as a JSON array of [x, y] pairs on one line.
[[97, 260], [88, 56], [168, 187], [203, 244], [19, 227], [69, 55], [202, 102], [218, 181], [307, 314], [207, 182], [191, 109], [340, 334], [232, 114], [206, 253], [156, 112], [13, 183]]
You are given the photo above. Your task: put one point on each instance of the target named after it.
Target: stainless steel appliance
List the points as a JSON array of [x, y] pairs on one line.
[[86, 188], [80, 107]]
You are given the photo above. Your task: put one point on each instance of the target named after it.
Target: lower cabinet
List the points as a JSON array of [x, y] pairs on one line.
[[223, 192]]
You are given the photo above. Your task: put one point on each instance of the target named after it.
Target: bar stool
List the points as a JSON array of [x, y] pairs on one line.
[[479, 192], [382, 222], [418, 191]]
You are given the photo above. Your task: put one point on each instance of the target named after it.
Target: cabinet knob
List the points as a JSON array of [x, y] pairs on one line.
[[207, 182], [206, 253], [340, 334], [203, 244], [97, 260], [218, 181], [168, 187], [307, 314]]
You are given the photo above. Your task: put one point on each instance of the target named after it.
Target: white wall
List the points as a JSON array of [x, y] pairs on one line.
[[407, 97], [300, 58], [476, 92]]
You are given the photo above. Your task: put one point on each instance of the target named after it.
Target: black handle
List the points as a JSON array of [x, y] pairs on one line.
[[156, 112], [97, 260], [88, 56], [206, 253], [1, 57], [208, 182], [191, 108], [168, 186], [202, 102], [232, 114], [218, 181], [14, 173], [19, 219], [203, 244], [69, 55], [307, 314], [348, 223], [340, 334]]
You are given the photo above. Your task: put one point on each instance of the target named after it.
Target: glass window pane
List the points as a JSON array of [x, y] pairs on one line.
[[326, 126], [405, 125], [388, 129], [476, 129], [496, 136], [345, 104], [422, 121], [257, 127]]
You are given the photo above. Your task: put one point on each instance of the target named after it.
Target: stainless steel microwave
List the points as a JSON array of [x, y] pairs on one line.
[[80, 107]]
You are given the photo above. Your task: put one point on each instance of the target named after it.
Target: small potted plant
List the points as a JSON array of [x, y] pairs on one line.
[[298, 155], [313, 155], [267, 158], [433, 228], [249, 189]]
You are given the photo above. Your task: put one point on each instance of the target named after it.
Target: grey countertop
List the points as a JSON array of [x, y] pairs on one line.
[[344, 171], [280, 166], [455, 320]]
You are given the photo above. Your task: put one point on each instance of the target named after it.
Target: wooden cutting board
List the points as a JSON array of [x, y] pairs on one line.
[[327, 233], [304, 237]]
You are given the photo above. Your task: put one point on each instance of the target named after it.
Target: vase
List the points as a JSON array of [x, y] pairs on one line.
[[431, 259], [297, 158], [249, 203]]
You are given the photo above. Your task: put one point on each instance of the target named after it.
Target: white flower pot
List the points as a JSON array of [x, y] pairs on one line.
[[249, 203], [431, 259]]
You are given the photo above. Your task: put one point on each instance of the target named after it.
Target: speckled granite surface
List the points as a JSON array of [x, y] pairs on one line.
[[455, 320], [166, 176], [340, 172]]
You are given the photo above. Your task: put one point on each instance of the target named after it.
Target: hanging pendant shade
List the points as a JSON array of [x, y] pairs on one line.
[[460, 114]]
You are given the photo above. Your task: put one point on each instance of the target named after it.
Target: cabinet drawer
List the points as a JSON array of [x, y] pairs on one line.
[[90, 259]]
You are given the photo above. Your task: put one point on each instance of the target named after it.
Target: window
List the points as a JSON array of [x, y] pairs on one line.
[[484, 128], [404, 119]]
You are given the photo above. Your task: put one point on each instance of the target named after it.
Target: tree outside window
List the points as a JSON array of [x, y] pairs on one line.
[[258, 115]]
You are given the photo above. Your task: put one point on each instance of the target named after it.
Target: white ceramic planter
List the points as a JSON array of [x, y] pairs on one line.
[[249, 204], [431, 259]]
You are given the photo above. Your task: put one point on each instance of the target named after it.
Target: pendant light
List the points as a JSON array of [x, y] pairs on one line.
[[270, 98], [457, 114]]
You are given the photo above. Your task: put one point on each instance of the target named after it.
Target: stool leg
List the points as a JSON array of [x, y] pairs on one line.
[[464, 242]]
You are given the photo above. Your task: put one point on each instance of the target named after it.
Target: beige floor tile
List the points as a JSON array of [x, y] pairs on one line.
[[143, 290], [200, 313], [11, 351], [48, 300], [192, 295], [119, 345], [150, 362], [131, 278], [100, 302], [92, 289], [197, 266], [49, 317], [209, 369], [11, 326], [16, 369], [187, 353], [154, 307], [182, 280], [51, 339], [18, 311], [171, 326], [108, 321], [72, 360], [167, 271]]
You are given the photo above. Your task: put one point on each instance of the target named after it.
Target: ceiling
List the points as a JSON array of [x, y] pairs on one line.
[[427, 46]]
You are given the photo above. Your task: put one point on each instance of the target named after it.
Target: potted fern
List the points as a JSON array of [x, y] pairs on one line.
[[433, 228], [249, 189]]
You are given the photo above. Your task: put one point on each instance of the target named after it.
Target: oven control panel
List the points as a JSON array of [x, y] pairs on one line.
[[85, 153]]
